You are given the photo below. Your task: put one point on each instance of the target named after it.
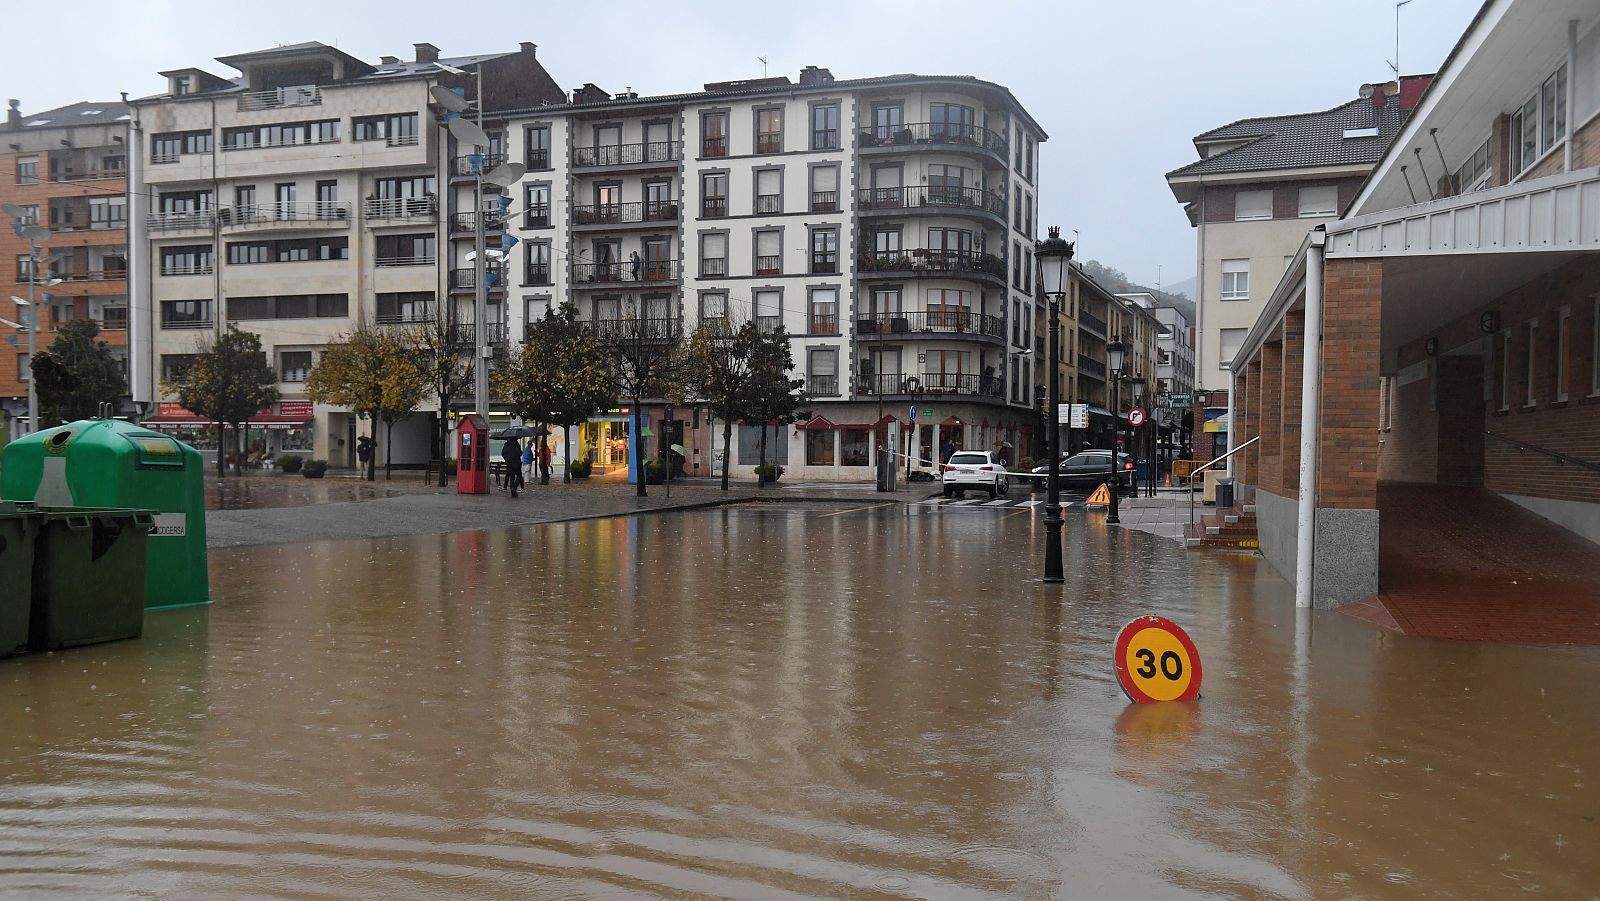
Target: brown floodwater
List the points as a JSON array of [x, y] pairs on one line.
[[784, 702]]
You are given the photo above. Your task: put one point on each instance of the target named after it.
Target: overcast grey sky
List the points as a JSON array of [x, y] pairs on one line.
[[1121, 85]]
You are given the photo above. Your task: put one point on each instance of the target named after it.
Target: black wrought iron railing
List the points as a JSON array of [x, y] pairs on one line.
[[936, 197], [538, 274], [1091, 366], [823, 324], [769, 203], [766, 325], [465, 334], [928, 383], [824, 201], [619, 213], [714, 146], [955, 322], [465, 278], [713, 207], [468, 222], [625, 272], [405, 315], [713, 267], [461, 166], [936, 133], [648, 329], [769, 142], [769, 265], [954, 262], [822, 385], [824, 263], [1091, 322], [626, 154]]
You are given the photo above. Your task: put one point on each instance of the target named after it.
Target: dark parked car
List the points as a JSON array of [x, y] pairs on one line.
[[1088, 469]]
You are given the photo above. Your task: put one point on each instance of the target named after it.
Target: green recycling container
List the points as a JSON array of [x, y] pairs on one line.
[[112, 463], [16, 577], [87, 565]]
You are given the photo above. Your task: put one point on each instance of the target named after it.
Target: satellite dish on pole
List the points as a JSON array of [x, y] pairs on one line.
[[36, 233], [12, 210], [449, 99], [506, 174], [468, 132]]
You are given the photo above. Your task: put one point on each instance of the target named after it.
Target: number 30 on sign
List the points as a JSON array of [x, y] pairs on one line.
[[1156, 661]]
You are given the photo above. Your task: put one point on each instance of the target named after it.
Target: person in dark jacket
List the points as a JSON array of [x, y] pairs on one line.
[[511, 454]]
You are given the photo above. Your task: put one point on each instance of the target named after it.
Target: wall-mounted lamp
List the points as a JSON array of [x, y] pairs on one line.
[[1431, 346], [1489, 321]]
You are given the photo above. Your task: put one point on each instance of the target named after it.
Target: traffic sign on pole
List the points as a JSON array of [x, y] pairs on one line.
[[1156, 661], [1080, 416], [1135, 418]]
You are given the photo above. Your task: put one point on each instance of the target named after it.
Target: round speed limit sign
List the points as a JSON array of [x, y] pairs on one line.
[[1156, 661]]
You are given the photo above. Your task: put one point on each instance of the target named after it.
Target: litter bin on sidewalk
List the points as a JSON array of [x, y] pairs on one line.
[[1224, 493], [16, 577], [88, 571]]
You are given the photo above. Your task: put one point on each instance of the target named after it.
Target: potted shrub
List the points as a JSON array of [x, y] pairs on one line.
[[581, 469], [768, 473], [291, 463], [314, 469]]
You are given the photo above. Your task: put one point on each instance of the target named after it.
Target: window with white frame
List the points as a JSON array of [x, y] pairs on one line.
[[714, 305], [1533, 361], [1322, 200], [1540, 122], [1474, 172], [1562, 363], [1231, 339], [1248, 205], [1235, 279]]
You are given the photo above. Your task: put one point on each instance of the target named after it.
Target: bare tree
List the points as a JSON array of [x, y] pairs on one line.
[[644, 354]]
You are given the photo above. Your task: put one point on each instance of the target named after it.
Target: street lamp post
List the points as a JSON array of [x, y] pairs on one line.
[[1114, 354], [1055, 259], [35, 235], [1136, 436]]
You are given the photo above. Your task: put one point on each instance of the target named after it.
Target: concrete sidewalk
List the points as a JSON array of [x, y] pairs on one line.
[[287, 513]]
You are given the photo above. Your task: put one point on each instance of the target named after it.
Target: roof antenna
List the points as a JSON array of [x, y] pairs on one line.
[[763, 61], [1395, 63]]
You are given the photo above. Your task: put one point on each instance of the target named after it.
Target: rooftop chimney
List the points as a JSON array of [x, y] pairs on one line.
[[14, 114], [813, 75], [427, 53], [589, 93], [388, 60], [530, 48]]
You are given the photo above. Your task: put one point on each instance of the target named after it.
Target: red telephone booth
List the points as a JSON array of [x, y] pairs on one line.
[[472, 455]]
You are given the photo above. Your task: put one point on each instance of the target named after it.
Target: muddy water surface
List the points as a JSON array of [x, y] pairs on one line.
[[777, 703]]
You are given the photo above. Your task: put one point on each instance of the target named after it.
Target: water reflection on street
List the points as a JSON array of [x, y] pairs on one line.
[[780, 702]]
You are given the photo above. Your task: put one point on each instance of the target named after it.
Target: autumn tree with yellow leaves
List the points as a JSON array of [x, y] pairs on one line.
[[374, 374]]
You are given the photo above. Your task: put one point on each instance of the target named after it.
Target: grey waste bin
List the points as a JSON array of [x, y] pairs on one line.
[[1224, 492]]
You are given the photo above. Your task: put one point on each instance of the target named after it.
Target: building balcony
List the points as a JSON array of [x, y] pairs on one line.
[[646, 213], [1091, 367], [196, 220], [461, 166], [467, 279], [92, 275], [948, 137], [615, 157], [587, 276], [930, 384], [318, 214], [88, 174], [920, 263], [278, 98], [415, 315], [635, 329], [400, 209], [931, 323], [467, 223], [822, 385], [465, 334], [969, 202], [1092, 324], [395, 262]]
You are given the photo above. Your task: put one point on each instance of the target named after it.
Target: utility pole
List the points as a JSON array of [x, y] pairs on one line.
[[480, 299]]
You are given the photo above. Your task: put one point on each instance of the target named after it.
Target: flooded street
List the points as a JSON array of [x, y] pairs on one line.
[[784, 701]]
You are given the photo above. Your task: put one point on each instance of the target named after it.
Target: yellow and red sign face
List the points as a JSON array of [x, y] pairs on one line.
[[1156, 661]]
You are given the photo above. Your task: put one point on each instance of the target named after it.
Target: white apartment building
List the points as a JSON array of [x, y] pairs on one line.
[[886, 223], [295, 200]]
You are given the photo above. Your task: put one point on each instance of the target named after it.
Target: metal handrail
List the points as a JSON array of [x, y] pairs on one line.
[[1559, 457], [1207, 465]]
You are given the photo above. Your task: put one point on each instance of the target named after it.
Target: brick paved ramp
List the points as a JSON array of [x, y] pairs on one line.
[[1466, 564]]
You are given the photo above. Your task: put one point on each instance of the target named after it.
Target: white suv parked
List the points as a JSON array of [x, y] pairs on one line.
[[977, 470]]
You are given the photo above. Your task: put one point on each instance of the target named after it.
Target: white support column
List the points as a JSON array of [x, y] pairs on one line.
[[1233, 406], [1310, 426], [1572, 96]]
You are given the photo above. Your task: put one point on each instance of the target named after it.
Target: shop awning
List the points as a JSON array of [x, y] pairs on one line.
[[823, 422]]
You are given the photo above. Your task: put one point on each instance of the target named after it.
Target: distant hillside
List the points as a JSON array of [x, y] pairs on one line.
[[1117, 282], [1185, 288]]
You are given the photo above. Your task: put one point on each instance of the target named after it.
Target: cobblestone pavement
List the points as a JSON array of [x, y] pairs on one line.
[[1462, 563]]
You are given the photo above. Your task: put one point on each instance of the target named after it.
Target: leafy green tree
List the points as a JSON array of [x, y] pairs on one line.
[[228, 381], [643, 354], [772, 394], [446, 366], [77, 373], [716, 370], [370, 372], [559, 376]]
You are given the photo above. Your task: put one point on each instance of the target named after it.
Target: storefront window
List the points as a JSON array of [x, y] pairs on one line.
[[298, 440], [819, 447], [855, 448]]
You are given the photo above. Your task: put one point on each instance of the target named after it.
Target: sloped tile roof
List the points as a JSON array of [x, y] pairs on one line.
[[83, 113], [1302, 140]]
